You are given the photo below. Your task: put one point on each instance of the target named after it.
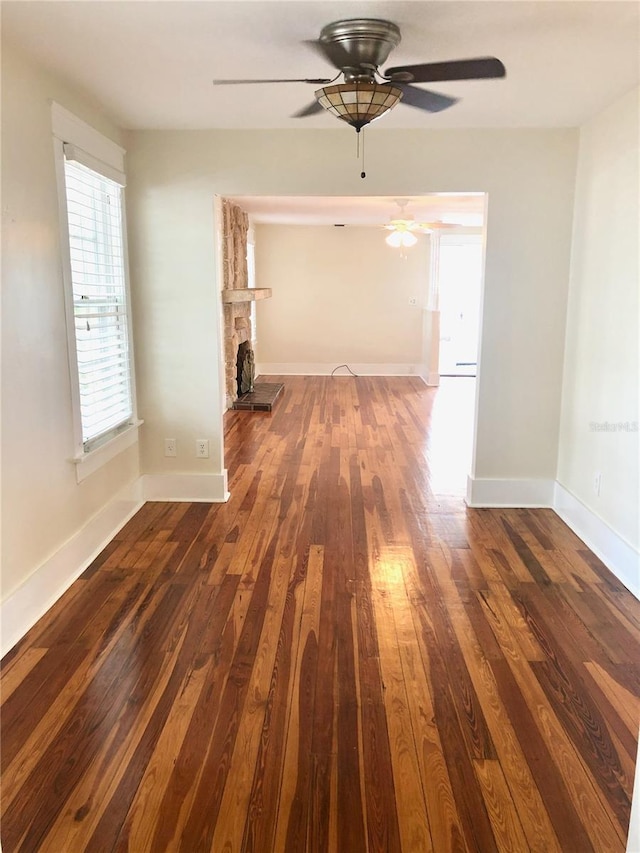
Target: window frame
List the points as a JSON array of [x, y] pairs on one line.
[[100, 154]]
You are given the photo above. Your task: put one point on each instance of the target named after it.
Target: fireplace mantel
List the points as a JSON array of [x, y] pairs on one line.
[[246, 294]]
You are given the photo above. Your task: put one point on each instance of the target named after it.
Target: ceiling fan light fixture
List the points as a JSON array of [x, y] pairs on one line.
[[358, 103], [401, 238]]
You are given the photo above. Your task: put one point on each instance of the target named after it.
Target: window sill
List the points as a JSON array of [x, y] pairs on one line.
[[88, 463]]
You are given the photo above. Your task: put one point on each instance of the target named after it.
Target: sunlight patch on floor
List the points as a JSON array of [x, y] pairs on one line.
[[450, 441]]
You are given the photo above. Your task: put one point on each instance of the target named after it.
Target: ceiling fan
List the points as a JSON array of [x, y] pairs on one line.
[[356, 48], [404, 228]]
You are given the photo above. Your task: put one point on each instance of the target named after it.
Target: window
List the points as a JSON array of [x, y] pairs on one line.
[[96, 251], [91, 182]]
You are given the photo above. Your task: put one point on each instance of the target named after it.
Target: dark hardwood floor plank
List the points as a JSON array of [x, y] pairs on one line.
[[201, 823], [588, 731], [445, 655], [261, 821], [339, 562], [532, 815], [507, 561], [621, 604], [25, 707], [256, 760], [152, 517], [181, 787], [507, 828], [14, 675], [451, 727], [101, 801], [60, 767], [621, 690], [598, 823], [323, 748], [291, 818], [619, 644], [199, 629], [567, 824], [42, 731], [382, 822]]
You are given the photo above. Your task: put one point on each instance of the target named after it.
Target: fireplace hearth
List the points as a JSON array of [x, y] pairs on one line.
[[261, 399], [253, 396]]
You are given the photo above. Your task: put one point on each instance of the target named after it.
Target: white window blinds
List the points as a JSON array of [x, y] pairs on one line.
[[94, 210]]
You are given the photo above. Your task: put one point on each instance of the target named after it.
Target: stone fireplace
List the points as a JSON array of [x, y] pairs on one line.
[[237, 296]]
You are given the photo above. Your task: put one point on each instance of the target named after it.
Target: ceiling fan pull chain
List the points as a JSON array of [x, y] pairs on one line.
[[363, 174]]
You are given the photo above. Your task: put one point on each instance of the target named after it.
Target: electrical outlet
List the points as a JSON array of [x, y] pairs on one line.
[[202, 448], [597, 483], [413, 300], [170, 447]]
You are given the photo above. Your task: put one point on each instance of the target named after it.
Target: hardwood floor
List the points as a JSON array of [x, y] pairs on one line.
[[342, 658]]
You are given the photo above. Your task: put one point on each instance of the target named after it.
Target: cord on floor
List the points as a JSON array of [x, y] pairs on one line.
[[344, 365]]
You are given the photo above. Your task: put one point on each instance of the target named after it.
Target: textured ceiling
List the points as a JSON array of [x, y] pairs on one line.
[[151, 63]]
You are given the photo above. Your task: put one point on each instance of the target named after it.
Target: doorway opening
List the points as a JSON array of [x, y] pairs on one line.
[[387, 320], [459, 285]]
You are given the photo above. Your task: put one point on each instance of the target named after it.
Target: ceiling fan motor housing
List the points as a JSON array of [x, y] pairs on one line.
[[359, 45]]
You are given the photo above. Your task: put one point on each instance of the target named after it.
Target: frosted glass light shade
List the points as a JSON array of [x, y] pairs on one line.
[[401, 238], [358, 103]]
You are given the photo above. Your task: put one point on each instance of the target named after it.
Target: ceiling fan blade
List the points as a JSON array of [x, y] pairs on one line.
[[310, 110], [423, 99], [457, 69], [318, 81]]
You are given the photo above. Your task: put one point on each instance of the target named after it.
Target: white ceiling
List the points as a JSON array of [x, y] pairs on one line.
[[150, 63], [466, 210]]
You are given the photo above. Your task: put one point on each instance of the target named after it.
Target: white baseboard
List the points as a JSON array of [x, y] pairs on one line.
[[617, 554], [197, 488], [22, 609], [633, 840], [321, 369], [429, 377], [509, 493]]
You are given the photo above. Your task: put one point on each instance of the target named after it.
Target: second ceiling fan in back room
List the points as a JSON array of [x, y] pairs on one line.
[[403, 227], [357, 47]]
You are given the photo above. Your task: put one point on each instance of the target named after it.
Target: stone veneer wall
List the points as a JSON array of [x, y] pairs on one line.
[[237, 316]]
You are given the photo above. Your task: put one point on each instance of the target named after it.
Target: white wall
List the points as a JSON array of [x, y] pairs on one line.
[[529, 176], [339, 295], [43, 506], [601, 375], [176, 321]]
